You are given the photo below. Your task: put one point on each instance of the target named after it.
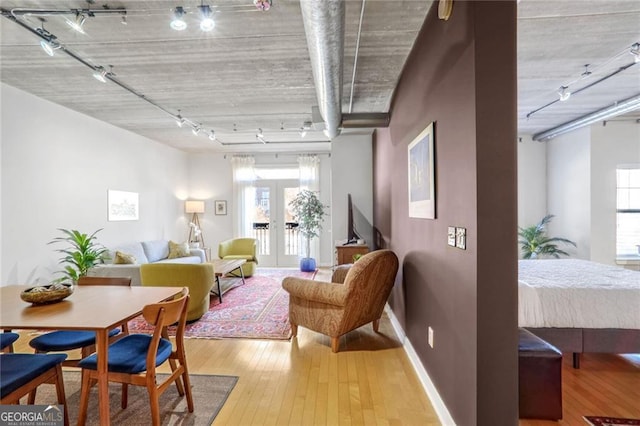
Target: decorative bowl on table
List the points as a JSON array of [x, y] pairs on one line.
[[51, 293]]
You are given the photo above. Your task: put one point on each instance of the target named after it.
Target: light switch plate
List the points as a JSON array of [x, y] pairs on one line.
[[461, 238], [451, 236]]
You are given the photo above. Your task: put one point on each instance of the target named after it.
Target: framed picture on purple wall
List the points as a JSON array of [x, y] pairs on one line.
[[421, 174]]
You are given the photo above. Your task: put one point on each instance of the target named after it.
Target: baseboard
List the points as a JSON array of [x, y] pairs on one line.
[[438, 405]]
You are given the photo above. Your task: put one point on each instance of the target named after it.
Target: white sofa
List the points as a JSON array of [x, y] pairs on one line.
[[144, 252]]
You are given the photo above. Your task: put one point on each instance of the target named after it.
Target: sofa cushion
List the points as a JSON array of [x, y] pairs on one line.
[[186, 259], [178, 250], [124, 258], [133, 249], [156, 250]]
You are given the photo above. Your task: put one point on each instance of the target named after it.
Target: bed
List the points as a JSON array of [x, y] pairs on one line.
[[580, 306]]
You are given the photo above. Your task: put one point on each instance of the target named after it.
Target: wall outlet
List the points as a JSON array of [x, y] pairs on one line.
[[430, 336]]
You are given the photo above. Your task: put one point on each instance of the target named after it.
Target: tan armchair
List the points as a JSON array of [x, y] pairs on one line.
[[335, 309], [240, 248]]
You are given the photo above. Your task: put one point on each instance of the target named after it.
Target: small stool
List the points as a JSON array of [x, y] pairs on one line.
[[540, 378]]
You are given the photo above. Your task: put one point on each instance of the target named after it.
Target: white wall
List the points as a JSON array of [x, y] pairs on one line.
[[57, 166], [616, 143], [532, 181], [569, 190], [352, 173], [210, 178]]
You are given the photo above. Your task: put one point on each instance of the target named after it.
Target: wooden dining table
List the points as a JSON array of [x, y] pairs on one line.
[[95, 308]]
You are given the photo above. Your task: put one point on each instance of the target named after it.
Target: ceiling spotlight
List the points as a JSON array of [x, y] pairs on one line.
[[207, 23], [178, 23], [179, 120], [260, 134], [195, 130], [564, 93], [262, 5], [303, 132], [101, 74], [123, 21], [77, 23], [212, 135], [49, 46], [261, 139], [635, 51]]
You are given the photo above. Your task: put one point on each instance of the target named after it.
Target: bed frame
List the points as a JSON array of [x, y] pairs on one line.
[[598, 340]]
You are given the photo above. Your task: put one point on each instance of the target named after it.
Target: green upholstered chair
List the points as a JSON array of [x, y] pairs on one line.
[[240, 248], [198, 277]]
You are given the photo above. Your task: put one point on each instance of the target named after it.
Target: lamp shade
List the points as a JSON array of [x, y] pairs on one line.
[[194, 206]]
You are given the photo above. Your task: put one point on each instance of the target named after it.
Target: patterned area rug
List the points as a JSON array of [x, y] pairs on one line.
[[258, 309], [610, 421]]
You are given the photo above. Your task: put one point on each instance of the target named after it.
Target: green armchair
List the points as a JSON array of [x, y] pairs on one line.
[[240, 248], [198, 277]]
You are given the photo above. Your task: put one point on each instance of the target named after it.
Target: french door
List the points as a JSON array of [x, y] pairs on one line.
[[274, 228]]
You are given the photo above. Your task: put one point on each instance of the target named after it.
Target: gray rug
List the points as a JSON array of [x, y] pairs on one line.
[[209, 395]]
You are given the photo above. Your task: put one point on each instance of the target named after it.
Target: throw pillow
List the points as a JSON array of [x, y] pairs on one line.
[[178, 250], [124, 258]]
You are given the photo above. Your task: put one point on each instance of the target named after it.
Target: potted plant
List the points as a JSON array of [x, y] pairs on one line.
[[309, 212], [81, 253], [535, 243]]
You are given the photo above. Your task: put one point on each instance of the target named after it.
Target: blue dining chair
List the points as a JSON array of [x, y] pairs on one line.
[[6, 341], [21, 374], [67, 340], [133, 359]]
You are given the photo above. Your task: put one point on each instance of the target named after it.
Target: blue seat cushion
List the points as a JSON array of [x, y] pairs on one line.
[[18, 369], [7, 338], [129, 354], [64, 340]]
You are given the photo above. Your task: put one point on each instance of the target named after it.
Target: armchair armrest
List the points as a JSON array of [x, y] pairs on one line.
[[198, 252], [316, 291]]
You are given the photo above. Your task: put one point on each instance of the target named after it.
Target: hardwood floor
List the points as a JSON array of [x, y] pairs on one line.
[[371, 381], [604, 385]]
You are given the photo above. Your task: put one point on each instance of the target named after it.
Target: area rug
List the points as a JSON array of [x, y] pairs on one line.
[[209, 395], [610, 421], [258, 309]]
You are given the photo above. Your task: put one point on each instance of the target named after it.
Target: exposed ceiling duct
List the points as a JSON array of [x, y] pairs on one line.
[[622, 107], [324, 28]]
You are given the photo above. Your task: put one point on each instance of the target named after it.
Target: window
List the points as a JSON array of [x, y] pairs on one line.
[[628, 210]]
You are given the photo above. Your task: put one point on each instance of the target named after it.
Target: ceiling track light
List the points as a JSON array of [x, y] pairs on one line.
[[212, 135], [49, 46], [195, 130], [260, 134], [178, 22], [206, 23], [77, 23], [564, 93], [635, 51], [101, 74]]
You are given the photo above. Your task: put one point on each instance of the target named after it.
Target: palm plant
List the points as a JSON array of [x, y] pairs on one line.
[[535, 243], [82, 253]]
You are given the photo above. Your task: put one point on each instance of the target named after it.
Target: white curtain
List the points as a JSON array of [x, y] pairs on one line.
[[309, 179], [309, 172], [244, 195]]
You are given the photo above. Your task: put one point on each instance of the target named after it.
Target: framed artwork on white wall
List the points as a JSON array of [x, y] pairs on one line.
[[122, 205]]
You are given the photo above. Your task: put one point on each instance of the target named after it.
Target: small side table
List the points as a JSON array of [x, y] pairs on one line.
[[345, 253]]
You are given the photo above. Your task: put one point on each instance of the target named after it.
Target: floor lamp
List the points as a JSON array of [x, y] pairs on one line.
[[195, 207]]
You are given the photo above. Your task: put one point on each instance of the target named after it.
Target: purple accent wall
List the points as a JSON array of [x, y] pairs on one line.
[[461, 75]]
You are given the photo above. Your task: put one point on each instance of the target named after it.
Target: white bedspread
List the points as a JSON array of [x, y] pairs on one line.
[[577, 293]]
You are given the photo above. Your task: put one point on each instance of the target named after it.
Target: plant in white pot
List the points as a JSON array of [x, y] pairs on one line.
[[309, 212]]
